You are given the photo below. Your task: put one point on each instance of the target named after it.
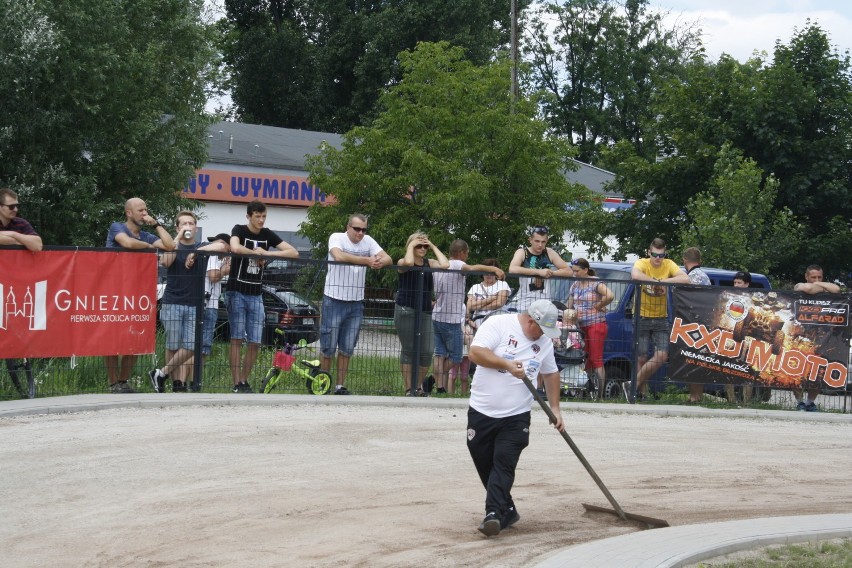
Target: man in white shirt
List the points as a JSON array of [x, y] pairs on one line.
[[343, 297], [448, 315], [507, 347]]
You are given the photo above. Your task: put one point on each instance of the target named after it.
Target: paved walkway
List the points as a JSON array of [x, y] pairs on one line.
[[674, 547], [670, 547]]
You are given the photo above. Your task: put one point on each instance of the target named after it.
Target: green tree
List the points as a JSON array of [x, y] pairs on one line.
[[322, 64], [792, 118], [735, 223], [102, 100], [448, 156], [600, 63]]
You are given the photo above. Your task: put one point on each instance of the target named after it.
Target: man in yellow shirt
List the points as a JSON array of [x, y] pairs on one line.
[[653, 314]]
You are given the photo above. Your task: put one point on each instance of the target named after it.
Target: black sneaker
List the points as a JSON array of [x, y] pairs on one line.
[[428, 383], [510, 519], [194, 387], [418, 392], [440, 390], [340, 389], [490, 525], [242, 388], [158, 380], [178, 386]]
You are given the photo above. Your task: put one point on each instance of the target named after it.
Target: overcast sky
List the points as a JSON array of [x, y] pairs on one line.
[[738, 28]]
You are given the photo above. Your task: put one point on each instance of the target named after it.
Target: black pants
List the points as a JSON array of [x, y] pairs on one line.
[[495, 444]]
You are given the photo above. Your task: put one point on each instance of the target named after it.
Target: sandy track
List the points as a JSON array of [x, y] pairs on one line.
[[378, 486]]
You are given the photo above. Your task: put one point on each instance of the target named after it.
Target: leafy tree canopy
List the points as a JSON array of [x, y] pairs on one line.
[[735, 223], [792, 118], [102, 100], [450, 155], [322, 64], [600, 62]]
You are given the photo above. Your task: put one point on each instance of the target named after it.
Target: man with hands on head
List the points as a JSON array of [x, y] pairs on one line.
[[507, 347]]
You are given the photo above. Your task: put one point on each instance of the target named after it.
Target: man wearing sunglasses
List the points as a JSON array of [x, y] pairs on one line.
[[15, 230], [343, 297], [653, 315]]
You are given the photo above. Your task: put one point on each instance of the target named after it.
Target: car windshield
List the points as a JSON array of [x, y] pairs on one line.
[[619, 287], [292, 299]]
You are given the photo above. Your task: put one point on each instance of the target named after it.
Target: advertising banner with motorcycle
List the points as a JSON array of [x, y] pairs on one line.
[[84, 303], [773, 338]]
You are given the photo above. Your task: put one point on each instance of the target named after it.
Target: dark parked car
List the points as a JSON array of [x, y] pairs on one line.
[[285, 309]]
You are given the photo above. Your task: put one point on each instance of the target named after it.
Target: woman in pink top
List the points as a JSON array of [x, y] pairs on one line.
[[589, 298]]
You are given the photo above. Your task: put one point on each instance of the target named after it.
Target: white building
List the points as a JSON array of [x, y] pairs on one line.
[[248, 161]]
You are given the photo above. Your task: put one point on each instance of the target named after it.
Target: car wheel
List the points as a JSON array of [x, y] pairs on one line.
[[615, 376]]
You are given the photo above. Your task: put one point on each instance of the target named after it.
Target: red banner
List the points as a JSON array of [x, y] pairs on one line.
[[64, 303]]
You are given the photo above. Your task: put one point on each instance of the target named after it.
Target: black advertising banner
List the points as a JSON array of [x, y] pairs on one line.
[[776, 338]]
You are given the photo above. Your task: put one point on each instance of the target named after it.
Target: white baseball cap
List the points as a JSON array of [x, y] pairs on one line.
[[545, 314]]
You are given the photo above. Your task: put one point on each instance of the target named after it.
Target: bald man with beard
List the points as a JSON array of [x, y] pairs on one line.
[[129, 235]]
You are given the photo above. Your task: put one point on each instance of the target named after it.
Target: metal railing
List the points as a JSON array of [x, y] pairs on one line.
[[292, 296]]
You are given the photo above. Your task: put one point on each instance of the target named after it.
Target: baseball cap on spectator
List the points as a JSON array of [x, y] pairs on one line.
[[545, 314], [220, 237]]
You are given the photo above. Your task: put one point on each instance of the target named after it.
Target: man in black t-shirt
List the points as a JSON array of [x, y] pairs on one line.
[[244, 295]]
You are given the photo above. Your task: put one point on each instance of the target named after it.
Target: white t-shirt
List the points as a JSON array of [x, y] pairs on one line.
[[345, 281], [449, 294], [525, 297], [214, 289], [496, 393], [480, 291]]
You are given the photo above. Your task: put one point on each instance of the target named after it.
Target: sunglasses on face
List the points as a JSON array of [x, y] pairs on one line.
[[657, 254], [421, 246], [12, 205], [358, 229]]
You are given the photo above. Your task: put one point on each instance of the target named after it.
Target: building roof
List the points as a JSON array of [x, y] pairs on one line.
[[265, 146], [286, 148]]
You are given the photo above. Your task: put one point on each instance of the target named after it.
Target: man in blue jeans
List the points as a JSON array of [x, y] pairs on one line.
[[178, 306], [448, 316], [349, 255], [217, 268], [256, 244]]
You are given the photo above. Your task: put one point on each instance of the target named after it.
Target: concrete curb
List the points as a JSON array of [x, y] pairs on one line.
[[675, 547], [91, 402]]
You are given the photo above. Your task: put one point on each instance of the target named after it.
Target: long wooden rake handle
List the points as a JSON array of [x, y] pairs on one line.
[[650, 521]]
